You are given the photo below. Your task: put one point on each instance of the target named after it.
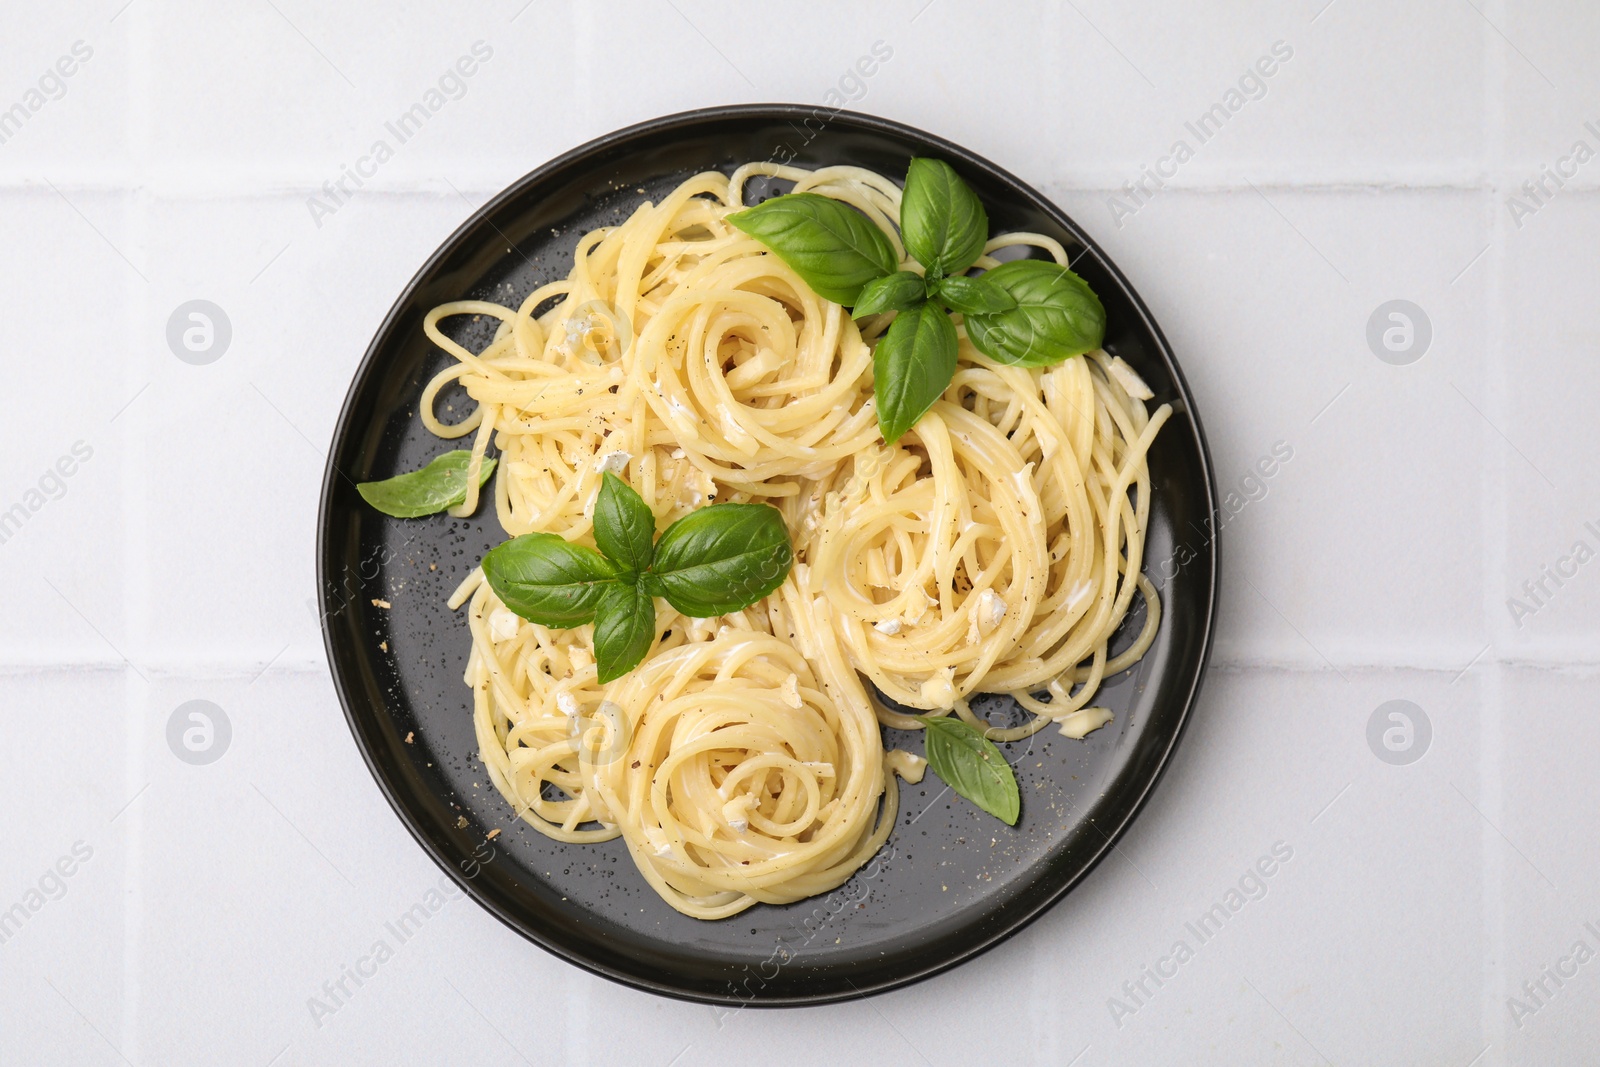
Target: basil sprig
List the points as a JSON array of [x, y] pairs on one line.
[[441, 484], [549, 580], [900, 291], [1055, 315], [1028, 312], [835, 248], [713, 561], [720, 559], [973, 296], [972, 765], [942, 221], [911, 367]]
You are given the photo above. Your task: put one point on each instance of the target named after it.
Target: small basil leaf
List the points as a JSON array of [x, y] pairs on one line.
[[441, 484], [973, 296], [547, 579], [899, 291], [720, 559], [971, 765], [624, 630], [624, 526], [1057, 316], [911, 366], [833, 247], [941, 219]]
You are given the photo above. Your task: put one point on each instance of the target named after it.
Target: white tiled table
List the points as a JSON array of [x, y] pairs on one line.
[[175, 563]]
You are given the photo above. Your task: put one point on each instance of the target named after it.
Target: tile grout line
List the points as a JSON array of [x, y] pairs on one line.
[[249, 668], [136, 583], [1495, 498], [481, 187], [576, 1042], [1048, 1038]]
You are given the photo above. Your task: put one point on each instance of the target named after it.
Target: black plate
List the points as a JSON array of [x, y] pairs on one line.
[[941, 891]]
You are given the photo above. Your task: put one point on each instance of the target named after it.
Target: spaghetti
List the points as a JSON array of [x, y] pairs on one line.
[[996, 547]]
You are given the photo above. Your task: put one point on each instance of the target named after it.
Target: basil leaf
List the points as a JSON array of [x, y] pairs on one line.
[[911, 366], [973, 296], [624, 525], [832, 246], [1057, 316], [547, 579], [624, 630], [720, 559], [899, 291], [971, 765], [441, 484], [941, 219]]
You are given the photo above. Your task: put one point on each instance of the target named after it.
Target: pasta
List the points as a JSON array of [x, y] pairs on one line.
[[996, 547]]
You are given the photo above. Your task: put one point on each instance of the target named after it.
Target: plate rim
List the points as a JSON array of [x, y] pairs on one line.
[[1012, 924]]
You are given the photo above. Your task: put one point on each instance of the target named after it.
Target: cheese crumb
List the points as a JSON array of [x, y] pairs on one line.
[[790, 691], [381, 603], [939, 690], [991, 609], [907, 765], [1129, 379], [503, 624], [888, 627], [567, 703], [699, 486], [920, 603], [735, 433], [615, 462], [736, 813], [1077, 593], [1079, 724], [1024, 480]]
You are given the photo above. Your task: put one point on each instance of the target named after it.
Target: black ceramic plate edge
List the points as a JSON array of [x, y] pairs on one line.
[[447, 852]]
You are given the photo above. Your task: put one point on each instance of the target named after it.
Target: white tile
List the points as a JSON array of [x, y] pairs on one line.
[[178, 164], [1362, 100], [1546, 59], [1346, 97], [1545, 602], [1547, 731], [1283, 760], [277, 862], [931, 65], [72, 837], [1545, 844], [312, 89], [64, 437], [236, 447], [1266, 300], [71, 73]]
